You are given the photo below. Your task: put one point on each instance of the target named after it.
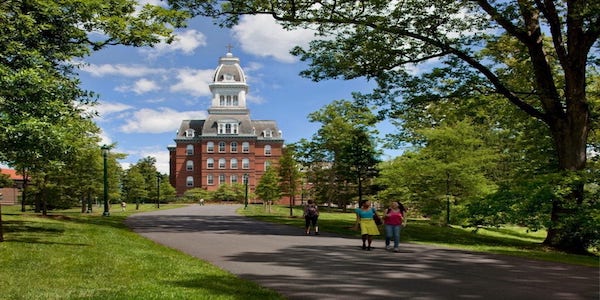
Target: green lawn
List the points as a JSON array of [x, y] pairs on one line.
[[515, 241], [70, 255]]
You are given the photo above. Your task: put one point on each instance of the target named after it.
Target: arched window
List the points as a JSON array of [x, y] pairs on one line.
[[189, 165], [233, 147], [210, 147], [233, 178], [268, 150], [245, 147], [189, 150], [221, 147], [221, 178], [210, 163], [245, 163], [267, 164], [221, 163], [210, 179], [233, 163], [189, 181]]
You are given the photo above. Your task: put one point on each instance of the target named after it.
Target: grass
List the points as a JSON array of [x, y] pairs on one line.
[[70, 255], [514, 241]]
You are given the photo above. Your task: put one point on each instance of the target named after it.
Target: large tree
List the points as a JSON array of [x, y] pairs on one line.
[[41, 45], [381, 39]]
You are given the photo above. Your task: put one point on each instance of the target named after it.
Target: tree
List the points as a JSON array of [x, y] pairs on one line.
[[345, 145], [450, 170], [41, 43], [380, 39], [268, 188], [134, 186], [289, 174]]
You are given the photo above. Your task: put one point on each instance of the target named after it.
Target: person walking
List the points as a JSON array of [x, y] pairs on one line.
[[368, 228], [393, 219], [311, 217]]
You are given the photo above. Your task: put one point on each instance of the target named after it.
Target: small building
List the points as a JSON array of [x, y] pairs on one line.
[[11, 195], [228, 145]]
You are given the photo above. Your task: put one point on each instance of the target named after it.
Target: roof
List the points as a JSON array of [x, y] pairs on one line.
[[12, 173]]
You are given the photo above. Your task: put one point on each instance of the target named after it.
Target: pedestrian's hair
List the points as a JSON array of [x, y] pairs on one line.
[[402, 208], [311, 202]]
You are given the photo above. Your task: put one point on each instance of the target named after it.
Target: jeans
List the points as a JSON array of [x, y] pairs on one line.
[[392, 231]]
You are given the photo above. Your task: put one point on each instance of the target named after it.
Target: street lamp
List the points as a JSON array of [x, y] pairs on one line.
[[105, 149], [158, 176], [246, 194]]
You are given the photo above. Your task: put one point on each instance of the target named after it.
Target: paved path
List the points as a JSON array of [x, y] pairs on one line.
[[334, 267]]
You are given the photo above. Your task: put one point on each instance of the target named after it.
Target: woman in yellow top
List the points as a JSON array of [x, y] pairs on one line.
[[368, 228]]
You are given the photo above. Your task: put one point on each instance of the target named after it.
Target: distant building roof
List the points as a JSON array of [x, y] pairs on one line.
[[12, 173]]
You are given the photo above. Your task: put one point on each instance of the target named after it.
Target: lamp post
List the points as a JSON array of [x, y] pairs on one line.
[[105, 149], [246, 193], [158, 176]]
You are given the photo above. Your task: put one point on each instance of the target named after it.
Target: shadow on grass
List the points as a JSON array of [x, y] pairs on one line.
[[226, 286]]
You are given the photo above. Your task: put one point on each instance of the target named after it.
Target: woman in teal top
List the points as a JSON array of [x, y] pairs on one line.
[[368, 228]]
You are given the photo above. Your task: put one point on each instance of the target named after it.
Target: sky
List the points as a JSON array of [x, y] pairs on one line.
[[145, 93]]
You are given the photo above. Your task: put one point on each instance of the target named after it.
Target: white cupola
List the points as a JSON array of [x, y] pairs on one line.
[[229, 86]]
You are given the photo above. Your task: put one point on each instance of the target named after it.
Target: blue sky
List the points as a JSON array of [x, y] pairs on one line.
[[145, 93]]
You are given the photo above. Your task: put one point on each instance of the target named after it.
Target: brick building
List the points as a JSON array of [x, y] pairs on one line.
[[228, 144], [11, 195]]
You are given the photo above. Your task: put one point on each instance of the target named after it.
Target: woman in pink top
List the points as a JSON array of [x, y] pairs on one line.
[[393, 224]]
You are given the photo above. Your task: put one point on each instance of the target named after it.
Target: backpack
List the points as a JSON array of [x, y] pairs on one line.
[[311, 210]]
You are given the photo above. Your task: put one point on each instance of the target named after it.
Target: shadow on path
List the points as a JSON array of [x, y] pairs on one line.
[[334, 267]]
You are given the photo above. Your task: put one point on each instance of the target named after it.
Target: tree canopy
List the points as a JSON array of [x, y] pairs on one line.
[[387, 40]]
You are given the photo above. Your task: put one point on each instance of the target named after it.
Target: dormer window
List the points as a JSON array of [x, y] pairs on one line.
[[228, 127], [228, 77], [268, 133], [190, 133]]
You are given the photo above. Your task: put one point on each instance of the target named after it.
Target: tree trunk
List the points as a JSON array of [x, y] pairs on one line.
[[570, 140]]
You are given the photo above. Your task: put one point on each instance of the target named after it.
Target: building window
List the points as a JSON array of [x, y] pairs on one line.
[[233, 164], [245, 163], [189, 150], [189, 181], [221, 163], [221, 147], [221, 178], [267, 164], [245, 147], [268, 133], [236, 102], [234, 179], [189, 165], [221, 100], [210, 180], [190, 133], [210, 147], [210, 163], [228, 128], [233, 147], [268, 150]]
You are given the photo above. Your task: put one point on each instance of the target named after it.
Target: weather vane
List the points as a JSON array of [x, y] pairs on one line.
[[229, 46]]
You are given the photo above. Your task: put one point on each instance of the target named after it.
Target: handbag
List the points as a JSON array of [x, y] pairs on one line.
[[376, 218]]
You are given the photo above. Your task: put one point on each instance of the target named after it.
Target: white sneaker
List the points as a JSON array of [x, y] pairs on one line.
[[396, 250], [388, 247]]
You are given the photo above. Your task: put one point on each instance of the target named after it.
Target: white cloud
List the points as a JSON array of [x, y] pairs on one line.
[[193, 82], [107, 108], [145, 85], [186, 42], [262, 36], [161, 120], [121, 70]]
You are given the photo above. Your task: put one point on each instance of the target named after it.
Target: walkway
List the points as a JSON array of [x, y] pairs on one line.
[[334, 267]]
